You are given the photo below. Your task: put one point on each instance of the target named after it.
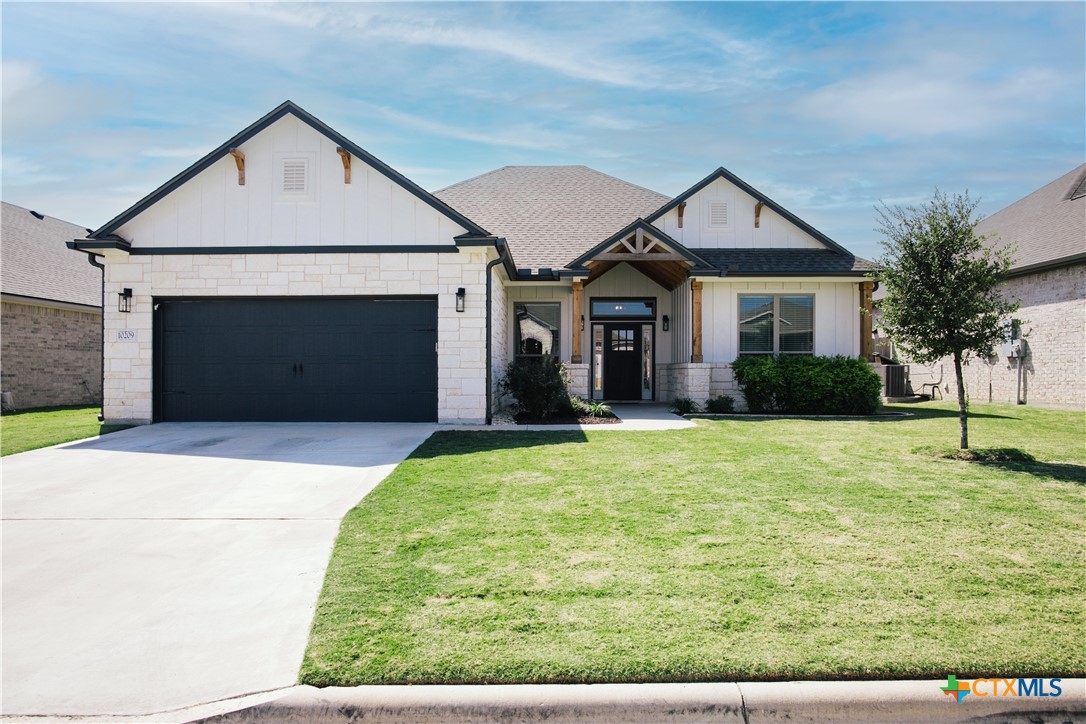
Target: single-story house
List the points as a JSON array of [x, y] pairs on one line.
[[51, 317], [291, 275], [1045, 361]]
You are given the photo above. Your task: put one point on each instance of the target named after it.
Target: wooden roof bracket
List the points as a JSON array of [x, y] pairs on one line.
[[346, 156], [682, 208], [239, 159], [758, 214]]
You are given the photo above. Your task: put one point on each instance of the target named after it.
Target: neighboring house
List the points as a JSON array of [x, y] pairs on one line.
[[51, 321], [290, 275], [1048, 277]]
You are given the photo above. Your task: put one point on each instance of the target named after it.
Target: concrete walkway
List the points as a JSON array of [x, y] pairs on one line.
[[870, 702], [633, 416], [174, 564]]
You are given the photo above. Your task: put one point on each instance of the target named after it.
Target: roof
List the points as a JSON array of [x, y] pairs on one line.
[[36, 263], [785, 262], [319, 126], [1049, 225], [550, 215]]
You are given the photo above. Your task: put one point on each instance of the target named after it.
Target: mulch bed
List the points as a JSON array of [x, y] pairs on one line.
[[525, 420]]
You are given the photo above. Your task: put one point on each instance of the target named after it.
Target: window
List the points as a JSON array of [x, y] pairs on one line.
[[776, 324], [622, 340], [623, 309], [537, 327]]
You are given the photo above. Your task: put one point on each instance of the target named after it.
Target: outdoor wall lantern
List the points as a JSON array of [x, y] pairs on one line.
[[460, 299], [667, 323], [124, 300], [582, 322]]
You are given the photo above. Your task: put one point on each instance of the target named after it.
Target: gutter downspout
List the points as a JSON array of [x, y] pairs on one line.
[[489, 337], [102, 344]]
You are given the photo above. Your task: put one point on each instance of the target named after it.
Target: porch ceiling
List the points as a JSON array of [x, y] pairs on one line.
[[668, 274], [648, 250]]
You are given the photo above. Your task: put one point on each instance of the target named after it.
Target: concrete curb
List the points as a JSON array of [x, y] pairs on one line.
[[874, 702]]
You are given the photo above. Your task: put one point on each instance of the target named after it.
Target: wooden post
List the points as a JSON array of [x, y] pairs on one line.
[[578, 332], [867, 307], [695, 319]]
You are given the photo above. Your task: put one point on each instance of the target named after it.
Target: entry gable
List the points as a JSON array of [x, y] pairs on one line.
[[647, 249], [723, 211], [289, 180]]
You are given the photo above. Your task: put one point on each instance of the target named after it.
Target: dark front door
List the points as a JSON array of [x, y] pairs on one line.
[[355, 360], [622, 361]]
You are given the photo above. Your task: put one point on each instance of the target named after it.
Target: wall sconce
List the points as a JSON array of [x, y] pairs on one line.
[[667, 323], [582, 322], [124, 300], [460, 293]]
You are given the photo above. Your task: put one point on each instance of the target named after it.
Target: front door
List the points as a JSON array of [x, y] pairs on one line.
[[622, 361]]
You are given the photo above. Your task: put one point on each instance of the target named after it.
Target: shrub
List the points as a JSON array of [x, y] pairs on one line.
[[805, 385], [720, 405], [683, 406], [588, 408], [538, 384]]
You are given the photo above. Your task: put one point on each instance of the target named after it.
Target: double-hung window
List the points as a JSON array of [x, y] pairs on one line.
[[537, 327], [776, 324]]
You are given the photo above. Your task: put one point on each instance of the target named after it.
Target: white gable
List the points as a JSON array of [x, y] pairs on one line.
[[721, 215], [294, 195]]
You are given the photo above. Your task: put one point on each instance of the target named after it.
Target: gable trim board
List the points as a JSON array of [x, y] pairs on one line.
[[165, 261]]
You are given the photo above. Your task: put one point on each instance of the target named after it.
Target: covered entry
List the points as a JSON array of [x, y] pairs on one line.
[[358, 359]]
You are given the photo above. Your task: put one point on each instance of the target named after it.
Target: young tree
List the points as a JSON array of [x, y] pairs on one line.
[[942, 285]]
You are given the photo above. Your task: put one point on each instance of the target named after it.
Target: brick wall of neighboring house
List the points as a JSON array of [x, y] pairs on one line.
[[50, 356], [1053, 315]]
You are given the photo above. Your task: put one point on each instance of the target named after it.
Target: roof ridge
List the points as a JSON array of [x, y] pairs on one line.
[[622, 180], [35, 213], [473, 178]]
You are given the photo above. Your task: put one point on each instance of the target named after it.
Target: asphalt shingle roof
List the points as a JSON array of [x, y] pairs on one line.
[[1048, 224], [550, 215], [34, 261], [757, 262]]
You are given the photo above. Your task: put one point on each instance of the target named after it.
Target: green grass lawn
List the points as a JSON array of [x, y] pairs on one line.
[[742, 549], [22, 431]]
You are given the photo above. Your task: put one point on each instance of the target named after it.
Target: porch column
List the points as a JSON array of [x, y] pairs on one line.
[[867, 307], [695, 321], [578, 331]]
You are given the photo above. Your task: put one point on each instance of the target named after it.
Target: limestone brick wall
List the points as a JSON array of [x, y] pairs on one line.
[[50, 356], [1053, 314], [579, 375], [461, 336], [698, 381]]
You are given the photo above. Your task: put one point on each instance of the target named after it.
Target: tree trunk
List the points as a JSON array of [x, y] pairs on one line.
[[963, 415]]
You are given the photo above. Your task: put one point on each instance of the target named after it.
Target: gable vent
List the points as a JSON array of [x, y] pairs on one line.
[[294, 176], [718, 214]]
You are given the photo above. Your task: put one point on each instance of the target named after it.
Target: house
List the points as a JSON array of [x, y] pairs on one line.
[[51, 317], [1045, 362], [291, 275]]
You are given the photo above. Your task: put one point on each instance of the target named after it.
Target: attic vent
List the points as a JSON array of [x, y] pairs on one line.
[[718, 214], [294, 176]]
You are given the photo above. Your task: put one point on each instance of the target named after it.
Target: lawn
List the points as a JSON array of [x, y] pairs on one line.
[[22, 431], [742, 549]]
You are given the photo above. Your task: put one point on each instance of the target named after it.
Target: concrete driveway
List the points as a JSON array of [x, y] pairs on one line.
[[175, 564]]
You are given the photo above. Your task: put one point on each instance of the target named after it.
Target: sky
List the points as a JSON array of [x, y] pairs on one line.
[[828, 108]]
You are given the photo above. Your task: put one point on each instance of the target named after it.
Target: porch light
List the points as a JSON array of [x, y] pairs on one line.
[[582, 322], [124, 300], [460, 293], [667, 323]]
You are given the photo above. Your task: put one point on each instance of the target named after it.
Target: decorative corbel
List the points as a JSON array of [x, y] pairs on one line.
[[682, 208], [758, 214], [239, 159], [346, 156]]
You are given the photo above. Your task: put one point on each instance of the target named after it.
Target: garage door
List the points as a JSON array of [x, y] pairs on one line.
[[314, 359]]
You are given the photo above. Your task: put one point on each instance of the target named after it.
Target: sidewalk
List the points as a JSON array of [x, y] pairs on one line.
[[871, 702]]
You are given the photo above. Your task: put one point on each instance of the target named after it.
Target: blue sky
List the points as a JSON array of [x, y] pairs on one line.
[[826, 107]]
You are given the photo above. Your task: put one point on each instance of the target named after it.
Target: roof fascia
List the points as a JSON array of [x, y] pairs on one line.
[[243, 136], [729, 176]]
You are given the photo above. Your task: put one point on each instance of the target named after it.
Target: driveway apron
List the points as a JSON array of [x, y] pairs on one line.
[[175, 564]]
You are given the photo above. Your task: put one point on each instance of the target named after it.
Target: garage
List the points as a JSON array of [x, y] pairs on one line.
[[355, 359]]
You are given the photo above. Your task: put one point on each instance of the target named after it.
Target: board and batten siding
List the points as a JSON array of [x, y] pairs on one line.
[[739, 233], [836, 309], [212, 210]]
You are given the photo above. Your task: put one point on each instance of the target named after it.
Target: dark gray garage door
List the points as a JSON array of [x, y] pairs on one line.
[[313, 359]]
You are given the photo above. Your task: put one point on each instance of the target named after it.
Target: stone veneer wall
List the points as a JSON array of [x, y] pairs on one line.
[[1053, 314], [461, 336], [50, 356]]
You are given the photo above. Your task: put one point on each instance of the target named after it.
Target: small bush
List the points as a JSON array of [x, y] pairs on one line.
[[683, 406], [806, 385], [978, 455], [720, 405], [538, 384]]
